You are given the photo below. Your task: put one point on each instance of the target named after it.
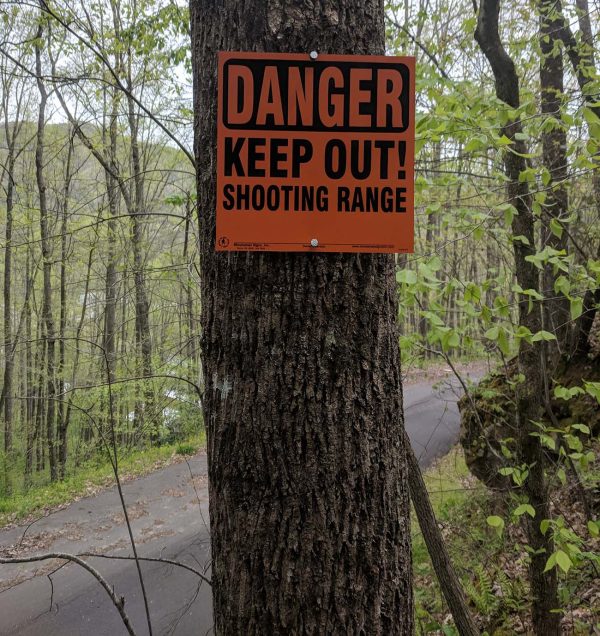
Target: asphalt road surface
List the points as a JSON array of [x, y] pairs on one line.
[[169, 513]]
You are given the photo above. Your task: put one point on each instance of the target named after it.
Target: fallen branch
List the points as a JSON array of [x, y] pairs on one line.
[[118, 602], [442, 564], [179, 564]]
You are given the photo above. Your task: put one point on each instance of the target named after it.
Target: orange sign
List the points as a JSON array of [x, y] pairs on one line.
[[315, 153]]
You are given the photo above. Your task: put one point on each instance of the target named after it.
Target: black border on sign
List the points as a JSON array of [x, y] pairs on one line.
[[256, 66]]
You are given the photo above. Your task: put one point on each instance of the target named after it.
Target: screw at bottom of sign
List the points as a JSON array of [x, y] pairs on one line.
[[314, 243]]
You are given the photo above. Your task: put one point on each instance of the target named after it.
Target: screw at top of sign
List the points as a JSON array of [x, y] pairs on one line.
[[314, 55], [314, 243]]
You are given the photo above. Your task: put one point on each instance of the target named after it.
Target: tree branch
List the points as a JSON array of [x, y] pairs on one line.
[[118, 602]]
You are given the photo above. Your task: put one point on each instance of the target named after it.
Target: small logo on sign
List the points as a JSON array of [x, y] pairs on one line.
[[223, 241]]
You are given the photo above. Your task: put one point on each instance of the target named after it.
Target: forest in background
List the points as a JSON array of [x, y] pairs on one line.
[[100, 245], [99, 229]]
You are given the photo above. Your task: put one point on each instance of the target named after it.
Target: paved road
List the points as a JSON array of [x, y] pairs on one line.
[[169, 509]]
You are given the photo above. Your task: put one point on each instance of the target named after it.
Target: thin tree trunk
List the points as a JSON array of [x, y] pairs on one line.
[[62, 427], [189, 315], [87, 432], [50, 334], [7, 388], [442, 564], [582, 58], [28, 375], [142, 306], [109, 336], [40, 412], [554, 152], [309, 507], [12, 104], [544, 588]]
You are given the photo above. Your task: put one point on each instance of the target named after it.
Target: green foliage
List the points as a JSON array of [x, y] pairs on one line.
[[184, 448], [486, 550], [496, 522], [464, 221]]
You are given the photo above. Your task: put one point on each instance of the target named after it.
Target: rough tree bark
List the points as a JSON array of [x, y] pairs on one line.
[[544, 592], [557, 318], [307, 464]]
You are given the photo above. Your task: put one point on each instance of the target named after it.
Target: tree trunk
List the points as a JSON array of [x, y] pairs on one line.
[[582, 57], [557, 318], [28, 374], [145, 412], [62, 427], [310, 523], [86, 433], [189, 330], [49, 329], [7, 388], [112, 191], [544, 588], [440, 558]]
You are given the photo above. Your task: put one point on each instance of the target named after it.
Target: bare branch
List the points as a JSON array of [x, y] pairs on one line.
[[118, 602]]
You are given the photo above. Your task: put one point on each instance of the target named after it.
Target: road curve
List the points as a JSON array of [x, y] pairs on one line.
[[169, 511]]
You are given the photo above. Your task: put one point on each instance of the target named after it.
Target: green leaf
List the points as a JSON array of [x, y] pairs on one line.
[[472, 293], [544, 525], [433, 318], [477, 143], [543, 335], [406, 276], [509, 214], [504, 141], [523, 332], [563, 393], [492, 333], [551, 562], [502, 306], [448, 338], [527, 175], [593, 389], [563, 560], [524, 508], [496, 522], [532, 293], [576, 308], [563, 285], [435, 263], [548, 441], [593, 528], [574, 443], [582, 428], [546, 177], [556, 228], [590, 117], [503, 344], [537, 259]]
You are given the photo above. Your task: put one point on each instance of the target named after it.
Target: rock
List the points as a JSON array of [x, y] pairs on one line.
[[489, 433]]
